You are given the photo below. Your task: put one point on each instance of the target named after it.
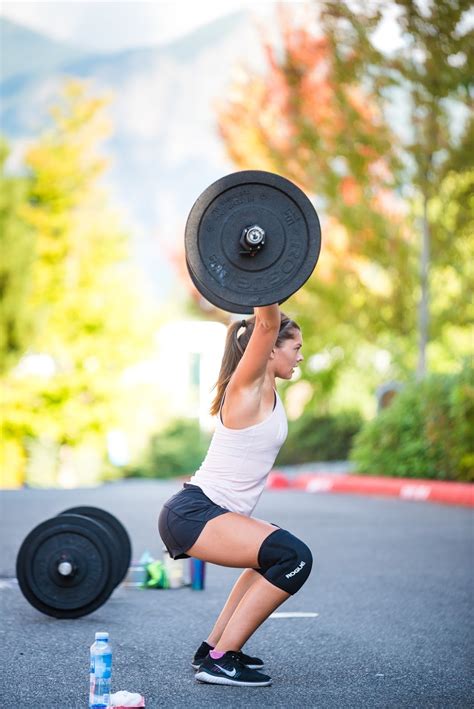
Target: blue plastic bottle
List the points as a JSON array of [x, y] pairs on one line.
[[100, 672]]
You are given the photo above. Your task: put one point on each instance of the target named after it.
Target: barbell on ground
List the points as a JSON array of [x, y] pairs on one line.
[[252, 238], [68, 566]]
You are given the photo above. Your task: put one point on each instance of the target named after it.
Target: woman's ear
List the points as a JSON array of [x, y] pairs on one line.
[[272, 354]]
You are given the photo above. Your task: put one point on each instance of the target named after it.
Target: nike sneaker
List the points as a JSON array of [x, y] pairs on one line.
[[230, 670], [253, 663]]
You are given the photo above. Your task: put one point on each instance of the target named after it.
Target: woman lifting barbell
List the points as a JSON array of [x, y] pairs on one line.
[[210, 518]]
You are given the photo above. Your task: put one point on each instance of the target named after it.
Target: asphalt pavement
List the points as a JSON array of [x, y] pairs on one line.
[[392, 587]]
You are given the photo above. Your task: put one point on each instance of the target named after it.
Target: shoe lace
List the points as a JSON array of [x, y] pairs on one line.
[[237, 657]]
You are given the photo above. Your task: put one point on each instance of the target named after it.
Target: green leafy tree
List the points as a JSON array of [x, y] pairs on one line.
[[327, 132], [178, 449], [17, 253], [91, 321], [431, 77], [426, 432], [391, 198]]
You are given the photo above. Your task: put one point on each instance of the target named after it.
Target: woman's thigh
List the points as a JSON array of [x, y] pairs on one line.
[[231, 540]]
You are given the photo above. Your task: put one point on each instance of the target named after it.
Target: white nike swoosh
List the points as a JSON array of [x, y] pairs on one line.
[[230, 673]]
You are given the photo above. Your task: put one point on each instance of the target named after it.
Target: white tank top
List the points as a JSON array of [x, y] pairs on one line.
[[238, 461]]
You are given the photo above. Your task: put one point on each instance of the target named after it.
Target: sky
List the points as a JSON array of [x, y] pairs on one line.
[[111, 25], [86, 23]]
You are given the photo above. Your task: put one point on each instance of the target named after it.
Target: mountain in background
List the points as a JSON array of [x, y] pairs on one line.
[[24, 51], [165, 149]]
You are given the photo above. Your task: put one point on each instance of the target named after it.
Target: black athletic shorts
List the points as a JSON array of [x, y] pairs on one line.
[[183, 518]]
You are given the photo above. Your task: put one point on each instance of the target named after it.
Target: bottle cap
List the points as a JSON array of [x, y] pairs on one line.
[[101, 636]]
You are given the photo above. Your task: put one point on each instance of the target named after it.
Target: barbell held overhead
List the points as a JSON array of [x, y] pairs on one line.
[[252, 238]]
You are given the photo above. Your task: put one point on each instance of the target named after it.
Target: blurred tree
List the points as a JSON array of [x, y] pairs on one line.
[[451, 304], [319, 116], [91, 321], [433, 74], [328, 134], [17, 250]]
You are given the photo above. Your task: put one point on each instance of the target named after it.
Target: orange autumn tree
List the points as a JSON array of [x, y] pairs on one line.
[[331, 138]]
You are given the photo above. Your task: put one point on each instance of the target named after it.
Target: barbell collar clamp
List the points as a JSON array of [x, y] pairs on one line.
[[252, 239], [65, 568]]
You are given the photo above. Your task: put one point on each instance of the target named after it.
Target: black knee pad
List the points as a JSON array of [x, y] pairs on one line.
[[285, 561]]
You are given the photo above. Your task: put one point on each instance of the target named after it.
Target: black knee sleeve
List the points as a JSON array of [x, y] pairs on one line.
[[285, 561]]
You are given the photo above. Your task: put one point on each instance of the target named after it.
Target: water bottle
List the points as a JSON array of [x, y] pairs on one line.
[[100, 672], [198, 574]]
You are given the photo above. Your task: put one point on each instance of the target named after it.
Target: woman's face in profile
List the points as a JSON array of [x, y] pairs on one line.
[[288, 356]]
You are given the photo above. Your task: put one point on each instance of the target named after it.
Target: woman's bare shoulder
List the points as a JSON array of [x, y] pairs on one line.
[[243, 405]]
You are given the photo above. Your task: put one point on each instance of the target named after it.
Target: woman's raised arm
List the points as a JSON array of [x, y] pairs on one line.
[[251, 368]]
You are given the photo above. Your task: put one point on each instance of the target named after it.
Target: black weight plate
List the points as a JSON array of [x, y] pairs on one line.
[[112, 543], [223, 304], [237, 281], [116, 529], [85, 544]]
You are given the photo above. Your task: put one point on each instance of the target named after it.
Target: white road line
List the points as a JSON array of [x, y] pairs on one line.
[[296, 614]]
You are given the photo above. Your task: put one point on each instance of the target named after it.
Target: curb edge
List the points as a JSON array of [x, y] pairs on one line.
[[415, 489]]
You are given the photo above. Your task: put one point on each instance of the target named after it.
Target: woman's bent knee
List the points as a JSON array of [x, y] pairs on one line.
[[285, 561]]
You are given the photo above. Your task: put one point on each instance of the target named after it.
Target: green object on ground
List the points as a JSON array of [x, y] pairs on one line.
[[157, 576]]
